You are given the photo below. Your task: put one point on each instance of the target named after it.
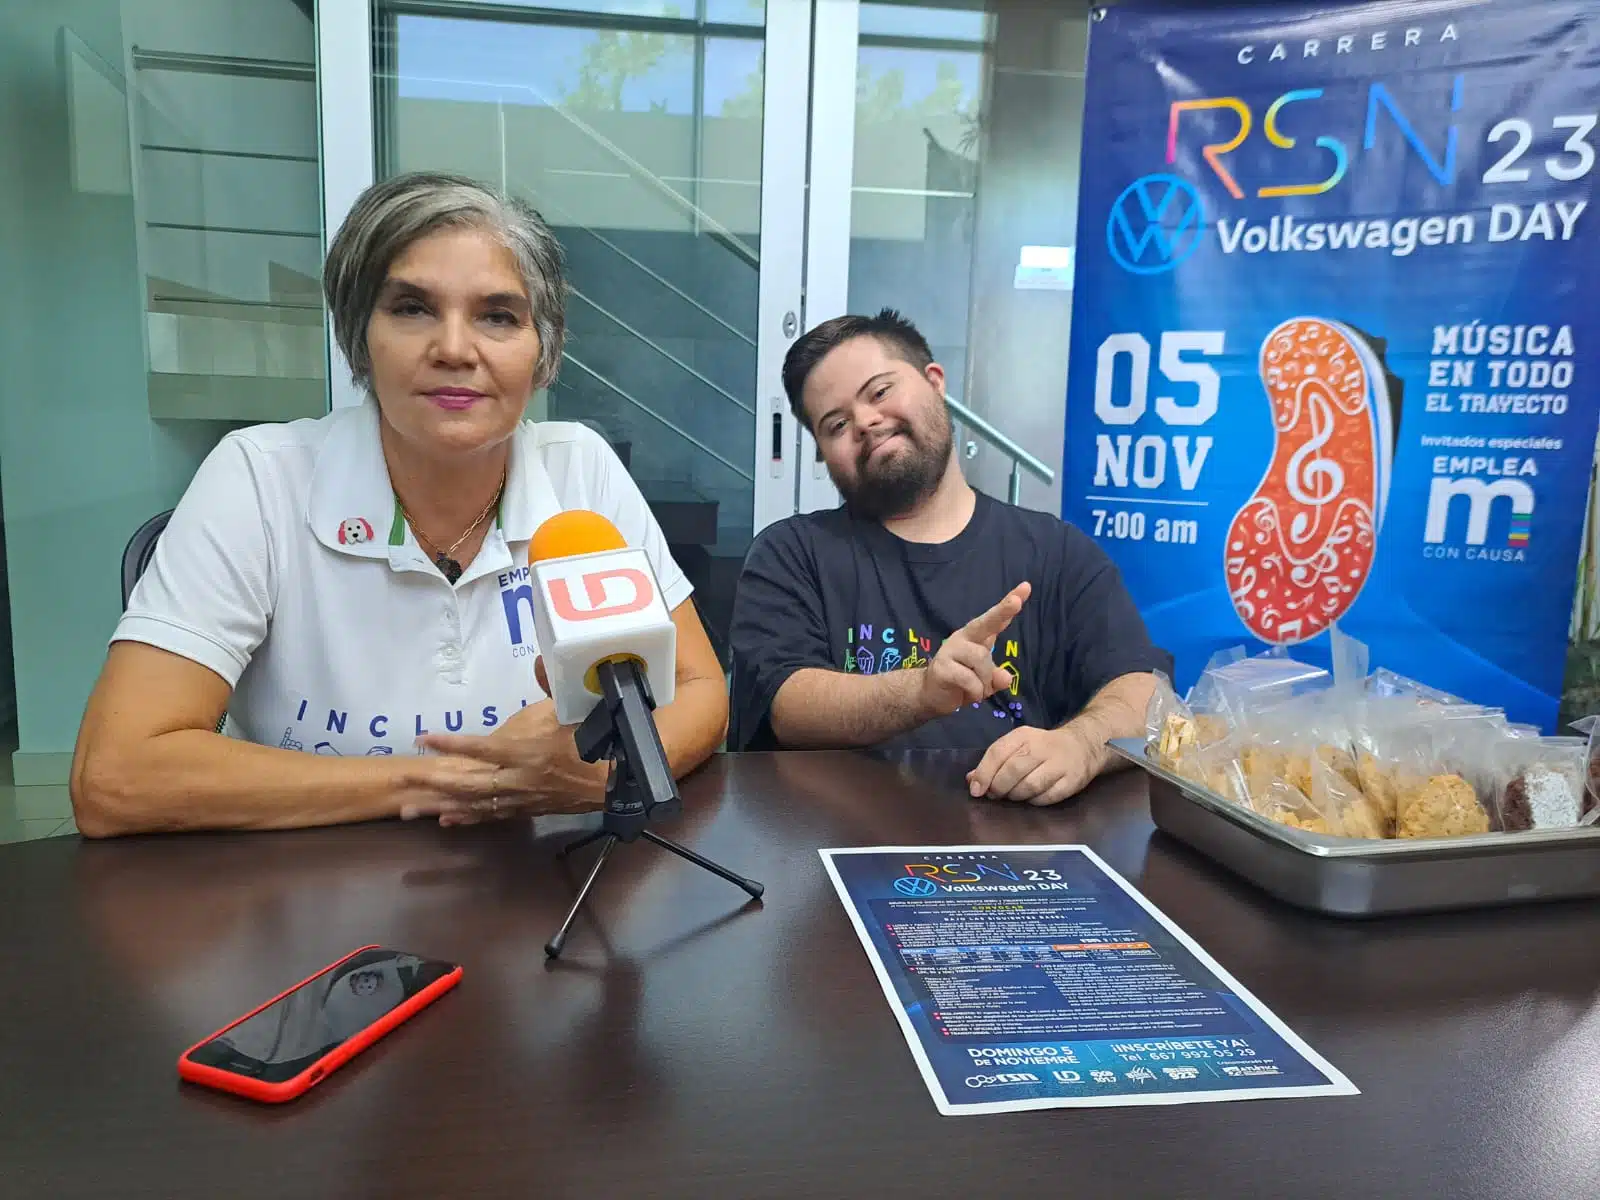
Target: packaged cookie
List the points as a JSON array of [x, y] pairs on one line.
[[1439, 806], [1301, 762], [1391, 744], [1380, 785], [1333, 724], [1277, 801], [1469, 745], [1545, 783], [1336, 713], [1283, 743], [1272, 750], [1345, 806], [1410, 763], [1448, 785]]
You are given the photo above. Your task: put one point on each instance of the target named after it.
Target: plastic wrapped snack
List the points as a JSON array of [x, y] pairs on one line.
[[1379, 786], [1469, 744], [1204, 696], [1442, 805], [1274, 766], [1234, 687], [1333, 722], [1173, 731], [1269, 750], [1392, 745], [1225, 774], [1434, 797], [1321, 765], [1590, 728], [1544, 786], [1274, 799], [1351, 659], [1301, 763], [1168, 724], [1279, 745], [1346, 808], [1385, 683], [1446, 787], [1216, 768]]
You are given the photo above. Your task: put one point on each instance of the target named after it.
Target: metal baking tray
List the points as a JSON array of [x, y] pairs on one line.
[[1355, 877]]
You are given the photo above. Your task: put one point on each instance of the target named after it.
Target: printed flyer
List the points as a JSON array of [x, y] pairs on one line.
[[1334, 330], [1036, 977]]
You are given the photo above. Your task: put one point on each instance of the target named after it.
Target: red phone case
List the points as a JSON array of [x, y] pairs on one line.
[[277, 1093]]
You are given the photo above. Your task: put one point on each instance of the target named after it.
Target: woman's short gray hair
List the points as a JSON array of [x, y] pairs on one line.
[[391, 215]]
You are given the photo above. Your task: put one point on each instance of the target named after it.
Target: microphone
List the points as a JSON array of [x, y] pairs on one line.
[[596, 601], [610, 651], [610, 655]]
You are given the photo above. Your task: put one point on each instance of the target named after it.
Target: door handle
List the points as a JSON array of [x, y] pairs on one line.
[[777, 437]]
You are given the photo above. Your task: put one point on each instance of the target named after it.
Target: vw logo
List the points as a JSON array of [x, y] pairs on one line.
[[1155, 224], [915, 885]]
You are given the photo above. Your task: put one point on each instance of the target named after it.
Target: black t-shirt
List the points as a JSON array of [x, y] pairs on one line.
[[833, 591]]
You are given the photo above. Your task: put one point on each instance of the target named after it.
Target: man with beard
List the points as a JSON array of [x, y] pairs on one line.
[[921, 613]]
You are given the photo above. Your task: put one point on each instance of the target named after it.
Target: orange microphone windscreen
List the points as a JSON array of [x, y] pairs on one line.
[[577, 531]]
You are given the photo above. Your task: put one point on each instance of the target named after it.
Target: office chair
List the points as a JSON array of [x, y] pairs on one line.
[[140, 550], [136, 556]]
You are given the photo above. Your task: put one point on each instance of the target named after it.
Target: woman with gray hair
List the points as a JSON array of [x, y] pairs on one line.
[[352, 589]]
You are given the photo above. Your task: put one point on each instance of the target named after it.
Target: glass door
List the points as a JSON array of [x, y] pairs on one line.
[[944, 184], [893, 208], [660, 141]]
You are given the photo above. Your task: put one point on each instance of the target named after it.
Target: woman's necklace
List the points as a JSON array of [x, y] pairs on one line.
[[445, 559]]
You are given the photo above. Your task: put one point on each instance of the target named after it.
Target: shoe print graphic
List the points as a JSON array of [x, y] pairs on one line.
[[1300, 549]]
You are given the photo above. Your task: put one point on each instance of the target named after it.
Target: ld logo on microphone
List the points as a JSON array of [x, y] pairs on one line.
[[599, 595]]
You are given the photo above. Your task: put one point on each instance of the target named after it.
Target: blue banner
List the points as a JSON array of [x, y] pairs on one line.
[[1334, 330], [1036, 977]]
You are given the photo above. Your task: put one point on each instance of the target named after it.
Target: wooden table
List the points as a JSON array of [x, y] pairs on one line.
[[694, 1044]]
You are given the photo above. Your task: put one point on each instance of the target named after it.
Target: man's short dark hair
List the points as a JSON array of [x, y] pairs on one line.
[[902, 338]]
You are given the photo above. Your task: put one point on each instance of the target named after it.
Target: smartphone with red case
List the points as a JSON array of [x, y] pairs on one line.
[[299, 1038]]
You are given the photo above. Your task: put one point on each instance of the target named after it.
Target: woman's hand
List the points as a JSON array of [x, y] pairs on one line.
[[533, 767]]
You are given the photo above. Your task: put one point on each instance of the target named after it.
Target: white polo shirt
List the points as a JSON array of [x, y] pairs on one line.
[[288, 570]]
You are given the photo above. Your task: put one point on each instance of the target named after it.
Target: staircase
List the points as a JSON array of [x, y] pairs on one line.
[[658, 362]]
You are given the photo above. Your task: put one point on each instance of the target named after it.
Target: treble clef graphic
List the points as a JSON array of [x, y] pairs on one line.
[[1313, 479]]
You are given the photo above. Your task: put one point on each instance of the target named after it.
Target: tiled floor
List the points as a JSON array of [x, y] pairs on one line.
[[30, 812]]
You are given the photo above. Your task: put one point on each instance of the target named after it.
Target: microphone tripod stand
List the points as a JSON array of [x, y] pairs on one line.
[[640, 788]]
